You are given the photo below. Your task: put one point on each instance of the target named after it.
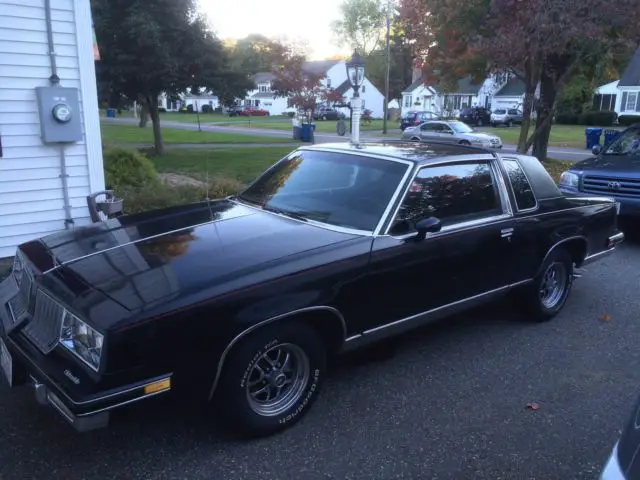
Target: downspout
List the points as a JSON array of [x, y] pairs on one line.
[[54, 81]]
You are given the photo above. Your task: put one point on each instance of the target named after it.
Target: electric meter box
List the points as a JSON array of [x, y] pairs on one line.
[[59, 110]]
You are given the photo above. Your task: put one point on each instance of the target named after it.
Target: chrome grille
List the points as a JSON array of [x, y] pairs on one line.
[[44, 328], [611, 186]]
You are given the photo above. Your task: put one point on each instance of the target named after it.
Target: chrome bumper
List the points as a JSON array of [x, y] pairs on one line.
[[612, 470], [612, 242]]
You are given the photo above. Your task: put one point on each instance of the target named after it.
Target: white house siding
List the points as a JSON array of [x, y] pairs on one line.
[[372, 98], [31, 195]]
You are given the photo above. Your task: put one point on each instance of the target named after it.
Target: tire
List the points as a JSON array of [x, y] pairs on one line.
[[415, 139], [543, 306], [465, 142], [247, 363]]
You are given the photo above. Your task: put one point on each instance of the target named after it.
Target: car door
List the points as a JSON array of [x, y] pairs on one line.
[[429, 131], [447, 134], [468, 257]]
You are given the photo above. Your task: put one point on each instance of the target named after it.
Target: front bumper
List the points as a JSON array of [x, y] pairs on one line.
[[612, 470], [84, 408]]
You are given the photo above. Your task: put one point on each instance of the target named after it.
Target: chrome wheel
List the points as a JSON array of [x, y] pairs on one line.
[[277, 379], [553, 285]]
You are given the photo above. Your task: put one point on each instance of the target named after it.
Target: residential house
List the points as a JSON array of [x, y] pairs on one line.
[[420, 96], [335, 78], [511, 94], [176, 102], [36, 197], [629, 87], [606, 97]]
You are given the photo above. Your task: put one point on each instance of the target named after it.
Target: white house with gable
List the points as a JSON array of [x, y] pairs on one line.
[[335, 78], [35, 197], [622, 96]]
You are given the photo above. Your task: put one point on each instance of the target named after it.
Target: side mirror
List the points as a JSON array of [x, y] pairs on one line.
[[596, 149], [427, 225]]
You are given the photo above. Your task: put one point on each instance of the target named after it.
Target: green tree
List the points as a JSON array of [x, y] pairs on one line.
[[361, 25], [152, 46]]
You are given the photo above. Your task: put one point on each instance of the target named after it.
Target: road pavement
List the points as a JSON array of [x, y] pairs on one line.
[[445, 402], [569, 154]]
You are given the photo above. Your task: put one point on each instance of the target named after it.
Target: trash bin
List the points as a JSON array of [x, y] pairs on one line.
[[111, 113], [307, 132], [593, 136], [610, 136], [297, 133]]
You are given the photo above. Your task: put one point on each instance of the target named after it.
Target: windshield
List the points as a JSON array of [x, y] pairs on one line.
[[460, 127], [341, 189], [499, 112], [626, 144]]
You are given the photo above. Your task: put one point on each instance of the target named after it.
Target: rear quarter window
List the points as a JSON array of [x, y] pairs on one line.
[[522, 191]]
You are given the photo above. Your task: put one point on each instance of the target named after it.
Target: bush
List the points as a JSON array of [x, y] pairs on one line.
[[598, 118], [218, 110], [206, 108], [162, 110], [163, 195], [190, 108], [567, 118], [128, 168], [627, 120]]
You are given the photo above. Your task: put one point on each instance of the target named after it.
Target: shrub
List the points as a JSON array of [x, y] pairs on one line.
[[162, 110], [163, 195], [627, 119], [567, 118], [128, 168], [598, 118], [190, 108], [206, 108], [218, 110]]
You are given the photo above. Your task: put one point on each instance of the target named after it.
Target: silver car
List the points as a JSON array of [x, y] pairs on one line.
[[451, 132]]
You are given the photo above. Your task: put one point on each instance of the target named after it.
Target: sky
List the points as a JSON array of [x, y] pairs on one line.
[[273, 18]]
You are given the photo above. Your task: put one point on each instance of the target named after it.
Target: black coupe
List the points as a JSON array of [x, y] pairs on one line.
[[240, 301]]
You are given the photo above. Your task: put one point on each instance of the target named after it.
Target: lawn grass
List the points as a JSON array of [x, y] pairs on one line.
[[556, 167], [565, 136], [322, 126], [242, 164], [205, 118], [113, 134]]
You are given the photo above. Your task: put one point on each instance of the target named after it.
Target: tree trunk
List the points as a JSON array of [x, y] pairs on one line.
[[531, 78], [144, 114], [155, 120]]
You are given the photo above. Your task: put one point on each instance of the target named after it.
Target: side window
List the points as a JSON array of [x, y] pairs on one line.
[[453, 193], [428, 127], [522, 192]]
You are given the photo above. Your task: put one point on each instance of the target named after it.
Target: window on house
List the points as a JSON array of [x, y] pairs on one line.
[[363, 89], [632, 100], [328, 83], [407, 100], [363, 104]]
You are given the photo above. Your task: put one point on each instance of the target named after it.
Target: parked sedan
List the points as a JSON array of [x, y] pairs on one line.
[[240, 301], [412, 119], [451, 132], [508, 117], [613, 171]]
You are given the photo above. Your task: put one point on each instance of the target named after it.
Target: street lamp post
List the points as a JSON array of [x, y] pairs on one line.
[[355, 74]]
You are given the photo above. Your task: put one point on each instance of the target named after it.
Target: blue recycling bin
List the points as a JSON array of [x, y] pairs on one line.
[[610, 135], [111, 113], [307, 132], [592, 136], [297, 133]]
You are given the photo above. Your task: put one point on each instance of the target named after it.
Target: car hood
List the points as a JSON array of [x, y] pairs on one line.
[[611, 165], [144, 259]]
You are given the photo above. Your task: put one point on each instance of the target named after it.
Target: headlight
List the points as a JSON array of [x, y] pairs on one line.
[[569, 179], [81, 340]]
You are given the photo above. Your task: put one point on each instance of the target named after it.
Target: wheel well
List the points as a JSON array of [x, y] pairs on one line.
[[415, 139], [576, 247]]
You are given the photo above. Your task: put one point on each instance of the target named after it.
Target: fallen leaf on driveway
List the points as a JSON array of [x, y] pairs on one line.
[[533, 406], [605, 317]]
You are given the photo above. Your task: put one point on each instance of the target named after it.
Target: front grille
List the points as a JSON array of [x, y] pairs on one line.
[[611, 186], [44, 328]]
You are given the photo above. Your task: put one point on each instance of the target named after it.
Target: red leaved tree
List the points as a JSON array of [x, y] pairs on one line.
[[303, 88], [540, 41]]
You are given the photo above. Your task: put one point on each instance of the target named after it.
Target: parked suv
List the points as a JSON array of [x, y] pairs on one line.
[[613, 171], [411, 119], [506, 116], [477, 116]]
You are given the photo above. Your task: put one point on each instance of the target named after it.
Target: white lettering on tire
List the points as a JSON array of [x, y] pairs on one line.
[[255, 358], [312, 389]]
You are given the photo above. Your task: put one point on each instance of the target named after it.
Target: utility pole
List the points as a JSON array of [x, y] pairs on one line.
[[387, 69]]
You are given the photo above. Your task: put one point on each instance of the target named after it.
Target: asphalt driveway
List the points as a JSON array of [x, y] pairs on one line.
[[448, 402]]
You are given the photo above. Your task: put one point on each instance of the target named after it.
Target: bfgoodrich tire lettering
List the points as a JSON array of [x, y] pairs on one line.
[[271, 379]]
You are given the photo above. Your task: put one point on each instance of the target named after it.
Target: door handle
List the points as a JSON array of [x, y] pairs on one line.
[[506, 233]]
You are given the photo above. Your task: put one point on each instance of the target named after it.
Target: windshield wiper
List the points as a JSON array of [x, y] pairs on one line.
[[286, 213]]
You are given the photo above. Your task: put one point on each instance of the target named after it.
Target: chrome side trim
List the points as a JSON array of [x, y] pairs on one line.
[[409, 323], [456, 227], [589, 259], [122, 404], [394, 198], [268, 321]]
